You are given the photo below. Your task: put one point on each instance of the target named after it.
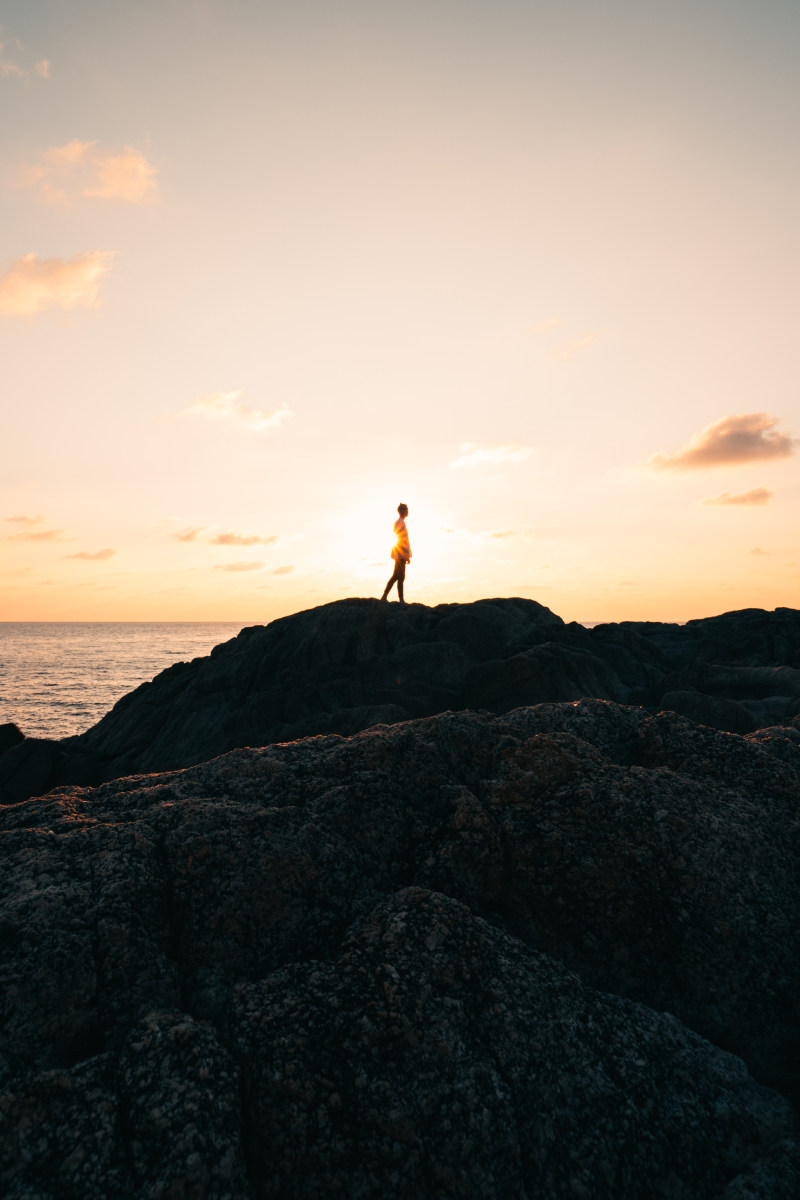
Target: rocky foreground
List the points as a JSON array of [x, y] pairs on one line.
[[345, 666], [548, 953]]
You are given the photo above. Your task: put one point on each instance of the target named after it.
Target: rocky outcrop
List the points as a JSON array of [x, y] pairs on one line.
[[552, 953], [345, 666], [10, 735]]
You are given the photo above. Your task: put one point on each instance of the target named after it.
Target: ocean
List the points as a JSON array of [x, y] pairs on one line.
[[60, 678]]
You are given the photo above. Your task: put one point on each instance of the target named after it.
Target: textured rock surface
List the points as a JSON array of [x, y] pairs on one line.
[[457, 956], [345, 666]]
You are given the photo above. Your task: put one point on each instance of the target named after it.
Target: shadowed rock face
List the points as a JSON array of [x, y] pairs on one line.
[[459, 956], [345, 666]]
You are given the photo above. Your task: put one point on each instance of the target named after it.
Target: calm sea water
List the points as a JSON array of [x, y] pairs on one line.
[[60, 678]]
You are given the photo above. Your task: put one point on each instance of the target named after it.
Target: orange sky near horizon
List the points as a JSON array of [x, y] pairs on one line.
[[268, 270]]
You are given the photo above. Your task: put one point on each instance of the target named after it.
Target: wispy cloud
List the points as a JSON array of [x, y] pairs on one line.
[[759, 495], [243, 539], [26, 520], [81, 169], [287, 570], [30, 531], [229, 406], [97, 556], [742, 438], [471, 456], [30, 286], [572, 349], [545, 326], [239, 566], [9, 69], [39, 535], [231, 538]]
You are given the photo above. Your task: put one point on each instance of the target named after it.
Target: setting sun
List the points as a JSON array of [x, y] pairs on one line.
[[400, 599], [496, 264]]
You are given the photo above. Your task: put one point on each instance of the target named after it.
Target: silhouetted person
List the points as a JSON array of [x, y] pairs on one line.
[[401, 553]]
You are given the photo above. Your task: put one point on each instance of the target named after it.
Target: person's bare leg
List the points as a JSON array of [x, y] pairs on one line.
[[388, 587]]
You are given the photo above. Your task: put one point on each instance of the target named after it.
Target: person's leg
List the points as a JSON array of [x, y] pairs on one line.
[[394, 579]]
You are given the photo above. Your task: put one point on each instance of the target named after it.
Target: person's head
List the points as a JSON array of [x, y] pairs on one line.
[[403, 510]]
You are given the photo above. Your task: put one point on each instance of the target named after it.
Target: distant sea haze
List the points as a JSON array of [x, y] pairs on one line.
[[60, 678]]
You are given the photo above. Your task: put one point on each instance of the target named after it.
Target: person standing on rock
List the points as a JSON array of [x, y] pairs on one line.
[[401, 553]]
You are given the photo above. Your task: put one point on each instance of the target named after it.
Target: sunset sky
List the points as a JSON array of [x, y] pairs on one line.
[[269, 268]]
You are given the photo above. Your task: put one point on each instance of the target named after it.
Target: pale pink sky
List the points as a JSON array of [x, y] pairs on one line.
[[267, 269]]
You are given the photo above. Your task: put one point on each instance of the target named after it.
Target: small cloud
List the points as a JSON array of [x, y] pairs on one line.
[[759, 552], [98, 556], [239, 566], [743, 438], [81, 169], [759, 495], [571, 349], [471, 455], [30, 286], [26, 520], [30, 531], [70, 154], [126, 176], [755, 496], [39, 535], [189, 535], [228, 406], [243, 539], [284, 570], [545, 326], [12, 70]]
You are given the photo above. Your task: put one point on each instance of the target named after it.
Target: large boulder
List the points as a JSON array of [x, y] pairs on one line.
[[552, 953], [30, 767], [344, 666], [715, 711], [10, 735], [548, 672]]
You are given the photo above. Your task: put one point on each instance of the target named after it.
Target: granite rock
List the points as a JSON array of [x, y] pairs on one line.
[[354, 663], [549, 953]]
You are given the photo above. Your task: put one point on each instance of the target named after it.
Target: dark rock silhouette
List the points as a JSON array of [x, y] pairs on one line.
[[10, 735], [551, 953], [345, 666]]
